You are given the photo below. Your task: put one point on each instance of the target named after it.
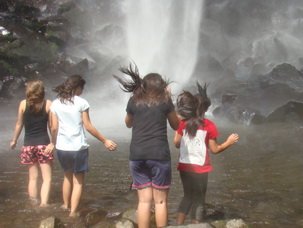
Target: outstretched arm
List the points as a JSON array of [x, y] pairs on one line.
[[19, 124], [217, 148], [109, 144]]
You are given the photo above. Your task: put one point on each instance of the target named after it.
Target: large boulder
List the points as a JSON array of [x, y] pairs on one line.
[[292, 111]]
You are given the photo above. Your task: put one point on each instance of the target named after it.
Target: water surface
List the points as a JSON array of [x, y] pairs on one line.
[[258, 180]]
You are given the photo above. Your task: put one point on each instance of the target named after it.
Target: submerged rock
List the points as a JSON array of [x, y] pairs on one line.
[[95, 216], [124, 223], [51, 222], [200, 225], [233, 223]]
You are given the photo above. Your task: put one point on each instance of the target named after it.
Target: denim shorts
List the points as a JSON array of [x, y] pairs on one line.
[[73, 161], [150, 173]]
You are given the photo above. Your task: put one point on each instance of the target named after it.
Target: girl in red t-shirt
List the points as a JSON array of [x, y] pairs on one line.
[[195, 136]]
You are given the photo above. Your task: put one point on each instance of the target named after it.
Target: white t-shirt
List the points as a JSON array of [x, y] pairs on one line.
[[71, 135]]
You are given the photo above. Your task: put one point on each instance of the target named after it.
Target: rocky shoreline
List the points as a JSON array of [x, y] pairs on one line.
[[127, 219]]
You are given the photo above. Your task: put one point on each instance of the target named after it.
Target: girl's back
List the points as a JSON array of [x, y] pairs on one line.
[[149, 135], [35, 125]]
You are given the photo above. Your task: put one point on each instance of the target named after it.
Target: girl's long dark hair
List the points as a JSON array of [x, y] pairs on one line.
[[66, 91], [151, 90], [192, 108]]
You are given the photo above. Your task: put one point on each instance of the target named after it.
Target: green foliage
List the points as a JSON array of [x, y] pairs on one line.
[[6, 67]]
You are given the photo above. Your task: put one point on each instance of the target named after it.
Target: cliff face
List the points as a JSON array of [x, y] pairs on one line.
[[52, 39]]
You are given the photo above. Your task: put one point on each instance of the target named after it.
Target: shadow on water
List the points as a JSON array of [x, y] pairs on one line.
[[258, 180]]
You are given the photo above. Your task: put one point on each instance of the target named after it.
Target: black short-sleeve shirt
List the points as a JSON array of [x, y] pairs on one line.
[[149, 133]]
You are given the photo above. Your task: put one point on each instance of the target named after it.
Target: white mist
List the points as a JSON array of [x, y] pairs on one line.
[[163, 36]]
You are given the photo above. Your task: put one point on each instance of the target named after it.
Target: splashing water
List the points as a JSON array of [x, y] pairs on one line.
[[163, 36], [246, 117]]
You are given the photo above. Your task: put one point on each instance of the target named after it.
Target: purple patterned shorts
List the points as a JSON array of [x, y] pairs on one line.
[[32, 154], [150, 173]]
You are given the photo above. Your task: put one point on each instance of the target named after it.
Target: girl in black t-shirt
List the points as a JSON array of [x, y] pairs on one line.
[[148, 110]]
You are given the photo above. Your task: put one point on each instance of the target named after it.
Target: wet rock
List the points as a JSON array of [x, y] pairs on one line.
[[51, 222], [111, 38], [239, 114], [236, 223], [289, 112], [124, 223], [66, 6], [80, 68], [252, 101], [200, 225], [103, 224], [131, 215], [233, 223], [286, 74], [95, 216]]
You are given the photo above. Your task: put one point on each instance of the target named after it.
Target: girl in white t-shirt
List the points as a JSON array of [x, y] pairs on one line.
[[69, 117], [195, 136]]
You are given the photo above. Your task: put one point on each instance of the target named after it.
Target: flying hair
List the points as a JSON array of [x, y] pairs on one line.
[[202, 89], [66, 90], [204, 101], [150, 90], [193, 107], [135, 82]]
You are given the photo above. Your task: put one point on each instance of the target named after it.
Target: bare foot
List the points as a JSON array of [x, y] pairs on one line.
[[74, 214], [65, 208], [195, 221], [34, 201], [44, 205]]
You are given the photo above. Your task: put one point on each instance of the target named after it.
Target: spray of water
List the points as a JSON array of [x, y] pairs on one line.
[[163, 36]]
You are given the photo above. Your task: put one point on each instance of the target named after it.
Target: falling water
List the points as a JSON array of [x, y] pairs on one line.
[[163, 36]]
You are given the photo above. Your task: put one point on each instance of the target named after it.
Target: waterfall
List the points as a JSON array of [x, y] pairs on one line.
[[163, 36]]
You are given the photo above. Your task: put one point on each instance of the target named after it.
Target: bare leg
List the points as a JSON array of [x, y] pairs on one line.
[[67, 189], [160, 198], [181, 218], [145, 202], [46, 170], [78, 180], [33, 172]]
